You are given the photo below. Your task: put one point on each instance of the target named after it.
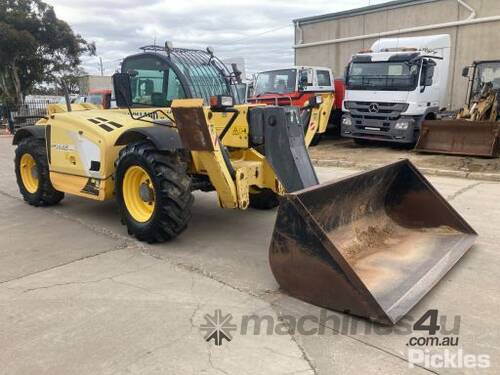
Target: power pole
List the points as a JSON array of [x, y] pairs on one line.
[[101, 66]]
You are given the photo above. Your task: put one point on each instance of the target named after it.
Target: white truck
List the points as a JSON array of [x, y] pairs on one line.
[[394, 86]]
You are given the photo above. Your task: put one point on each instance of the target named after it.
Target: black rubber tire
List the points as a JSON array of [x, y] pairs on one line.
[[173, 191], [266, 199], [316, 139], [45, 195]]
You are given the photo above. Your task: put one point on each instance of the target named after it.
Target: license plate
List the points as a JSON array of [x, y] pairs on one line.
[[370, 128]]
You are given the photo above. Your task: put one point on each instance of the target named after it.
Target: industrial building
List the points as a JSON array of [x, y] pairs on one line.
[[89, 83], [474, 25]]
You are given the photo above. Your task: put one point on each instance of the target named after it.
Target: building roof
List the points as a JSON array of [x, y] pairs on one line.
[[360, 11]]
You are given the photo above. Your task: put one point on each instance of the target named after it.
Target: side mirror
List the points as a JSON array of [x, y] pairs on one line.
[[427, 74], [302, 81], [123, 94], [346, 73], [465, 72]]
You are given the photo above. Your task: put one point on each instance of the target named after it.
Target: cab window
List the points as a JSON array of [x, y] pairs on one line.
[[152, 82], [324, 78], [276, 82]]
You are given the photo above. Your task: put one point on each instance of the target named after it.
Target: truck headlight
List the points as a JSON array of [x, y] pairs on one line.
[[346, 120], [403, 124]]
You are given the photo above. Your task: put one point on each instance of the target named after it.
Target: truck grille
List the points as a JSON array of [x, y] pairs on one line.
[[375, 114]]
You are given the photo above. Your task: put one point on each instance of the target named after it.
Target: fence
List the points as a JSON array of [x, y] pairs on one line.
[[28, 113]]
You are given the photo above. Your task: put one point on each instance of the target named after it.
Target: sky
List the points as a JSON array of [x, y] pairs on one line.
[[260, 31]]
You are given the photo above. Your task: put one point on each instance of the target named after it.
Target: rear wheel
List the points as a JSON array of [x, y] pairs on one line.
[[153, 192], [32, 173], [265, 199], [315, 140]]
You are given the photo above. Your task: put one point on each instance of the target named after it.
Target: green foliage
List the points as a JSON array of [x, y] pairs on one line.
[[35, 47]]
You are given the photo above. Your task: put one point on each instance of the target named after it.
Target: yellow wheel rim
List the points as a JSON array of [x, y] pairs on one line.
[[138, 194], [29, 173]]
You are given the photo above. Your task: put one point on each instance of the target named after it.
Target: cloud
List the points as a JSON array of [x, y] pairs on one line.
[[260, 31]]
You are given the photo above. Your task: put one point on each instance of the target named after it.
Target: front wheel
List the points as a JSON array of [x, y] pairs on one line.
[[153, 192], [32, 173]]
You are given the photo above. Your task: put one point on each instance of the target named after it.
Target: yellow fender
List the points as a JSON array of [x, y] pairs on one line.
[[318, 122]]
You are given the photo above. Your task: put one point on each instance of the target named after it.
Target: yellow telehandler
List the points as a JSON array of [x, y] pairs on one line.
[[371, 245]]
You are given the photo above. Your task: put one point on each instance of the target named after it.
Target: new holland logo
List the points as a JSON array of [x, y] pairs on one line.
[[218, 327]]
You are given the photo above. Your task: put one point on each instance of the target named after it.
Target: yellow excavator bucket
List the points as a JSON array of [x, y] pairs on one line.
[[460, 137], [371, 245]]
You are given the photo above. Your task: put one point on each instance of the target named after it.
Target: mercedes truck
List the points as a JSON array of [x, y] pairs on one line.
[[394, 86]]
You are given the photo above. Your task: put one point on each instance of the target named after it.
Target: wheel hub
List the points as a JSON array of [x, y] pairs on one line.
[[29, 173], [138, 193], [34, 172], [146, 193]]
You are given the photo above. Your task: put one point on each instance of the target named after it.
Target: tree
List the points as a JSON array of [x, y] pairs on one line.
[[35, 47], [72, 79], [54, 87]]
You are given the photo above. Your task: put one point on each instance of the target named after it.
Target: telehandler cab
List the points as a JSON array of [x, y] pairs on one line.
[[372, 245]]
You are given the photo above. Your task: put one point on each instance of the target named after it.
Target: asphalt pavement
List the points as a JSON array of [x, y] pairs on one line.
[[79, 296]]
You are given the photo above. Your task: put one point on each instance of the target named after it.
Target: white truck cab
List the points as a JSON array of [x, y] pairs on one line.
[[392, 87]]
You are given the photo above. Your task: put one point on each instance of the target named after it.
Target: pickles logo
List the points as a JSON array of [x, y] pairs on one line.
[[218, 327]]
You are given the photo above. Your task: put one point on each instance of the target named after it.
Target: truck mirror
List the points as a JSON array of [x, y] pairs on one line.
[[346, 73], [465, 72], [427, 74], [123, 94], [303, 80]]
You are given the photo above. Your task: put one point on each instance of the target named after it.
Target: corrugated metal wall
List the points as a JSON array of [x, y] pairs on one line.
[[469, 42]]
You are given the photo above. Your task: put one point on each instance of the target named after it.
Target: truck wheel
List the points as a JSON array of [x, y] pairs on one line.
[[153, 191], [32, 173], [266, 199], [316, 139]]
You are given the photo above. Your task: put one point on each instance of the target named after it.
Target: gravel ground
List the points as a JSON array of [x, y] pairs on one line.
[[345, 152]]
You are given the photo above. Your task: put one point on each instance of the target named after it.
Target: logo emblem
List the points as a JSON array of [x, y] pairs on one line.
[[218, 327], [373, 108]]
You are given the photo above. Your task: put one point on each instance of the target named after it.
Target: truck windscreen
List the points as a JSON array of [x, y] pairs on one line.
[[383, 75], [276, 82]]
